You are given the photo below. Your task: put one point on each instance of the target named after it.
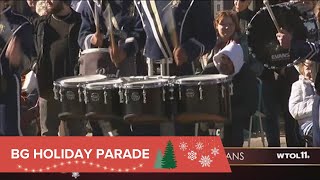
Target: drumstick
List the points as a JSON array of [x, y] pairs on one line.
[[173, 34], [172, 30], [266, 3], [110, 27], [96, 16]]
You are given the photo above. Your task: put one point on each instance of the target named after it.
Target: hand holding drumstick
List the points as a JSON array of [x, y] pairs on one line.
[[97, 38], [117, 54], [179, 54]]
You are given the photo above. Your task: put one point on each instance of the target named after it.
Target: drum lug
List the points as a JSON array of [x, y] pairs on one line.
[[200, 91], [231, 89], [120, 95], [61, 95], [223, 89], [126, 95], [79, 93], [85, 94], [144, 96], [163, 94], [180, 96], [105, 94], [171, 91], [55, 91]]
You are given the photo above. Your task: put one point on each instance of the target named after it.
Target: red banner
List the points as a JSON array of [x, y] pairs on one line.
[[112, 154]]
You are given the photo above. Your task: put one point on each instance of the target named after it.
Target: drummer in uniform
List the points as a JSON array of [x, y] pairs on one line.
[[16, 49], [94, 35], [177, 32]]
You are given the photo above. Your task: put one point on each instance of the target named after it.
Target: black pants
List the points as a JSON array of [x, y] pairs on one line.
[[10, 106], [276, 93]]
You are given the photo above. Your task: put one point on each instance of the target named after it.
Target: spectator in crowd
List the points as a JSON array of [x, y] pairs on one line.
[[57, 52], [31, 13], [302, 98], [42, 7]]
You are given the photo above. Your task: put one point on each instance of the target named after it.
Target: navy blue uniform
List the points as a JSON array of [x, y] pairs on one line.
[[121, 12], [164, 24], [10, 76], [193, 24]]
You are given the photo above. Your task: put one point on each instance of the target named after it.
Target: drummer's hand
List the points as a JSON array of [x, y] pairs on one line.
[[97, 40], [180, 56], [284, 38], [14, 52], [117, 55]]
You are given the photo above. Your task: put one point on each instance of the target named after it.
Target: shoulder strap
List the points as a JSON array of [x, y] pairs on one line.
[[7, 44]]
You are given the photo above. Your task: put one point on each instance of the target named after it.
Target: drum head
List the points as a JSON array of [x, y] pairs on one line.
[[106, 84], [203, 79], [151, 83], [134, 78], [76, 80], [262, 40], [95, 50]]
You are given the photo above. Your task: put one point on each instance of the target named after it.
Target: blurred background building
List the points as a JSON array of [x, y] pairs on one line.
[[220, 5]]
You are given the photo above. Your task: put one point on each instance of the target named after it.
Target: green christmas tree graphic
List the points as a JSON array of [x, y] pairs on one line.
[[169, 160], [158, 164]]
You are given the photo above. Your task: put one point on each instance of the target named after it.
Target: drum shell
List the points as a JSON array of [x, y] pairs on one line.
[[155, 102], [71, 102], [96, 106], [215, 99], [98, 61], [69, 91]]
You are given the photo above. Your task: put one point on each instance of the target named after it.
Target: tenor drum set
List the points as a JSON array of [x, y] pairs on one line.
[[146, 99], [185, 99]]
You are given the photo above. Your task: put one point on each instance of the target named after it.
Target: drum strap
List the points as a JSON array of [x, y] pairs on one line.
[[3, 82]]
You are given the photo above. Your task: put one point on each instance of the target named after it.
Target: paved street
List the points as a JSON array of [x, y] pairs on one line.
[[257, 142]]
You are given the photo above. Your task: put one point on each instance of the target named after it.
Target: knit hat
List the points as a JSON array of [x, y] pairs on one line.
[[234, 52]]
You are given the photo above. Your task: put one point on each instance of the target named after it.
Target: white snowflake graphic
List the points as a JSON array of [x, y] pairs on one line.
[[192, 155], [205, 161], [75, 175], [199, 146], [183, 146], [215, 151]]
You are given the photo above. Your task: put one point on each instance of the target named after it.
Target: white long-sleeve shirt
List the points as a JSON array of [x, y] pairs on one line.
[[301, 100]]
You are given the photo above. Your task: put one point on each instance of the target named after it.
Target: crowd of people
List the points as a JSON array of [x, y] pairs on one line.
[[46, 43]]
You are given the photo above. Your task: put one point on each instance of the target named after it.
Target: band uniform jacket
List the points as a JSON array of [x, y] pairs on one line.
[[170, 23], [12, 25], [121, 16]]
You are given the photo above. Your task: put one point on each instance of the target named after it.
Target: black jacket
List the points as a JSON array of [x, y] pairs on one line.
[[39, 36]]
